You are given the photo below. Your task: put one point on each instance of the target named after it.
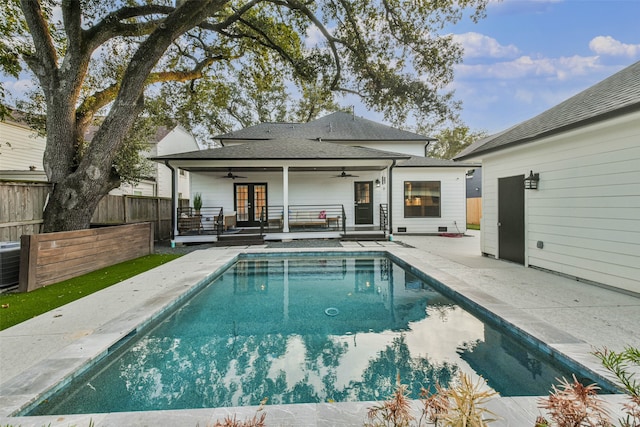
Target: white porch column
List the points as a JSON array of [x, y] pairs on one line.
[[285, 199], [174, 202]]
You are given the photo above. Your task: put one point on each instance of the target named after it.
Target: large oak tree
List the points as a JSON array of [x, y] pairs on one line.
[[94, 57]]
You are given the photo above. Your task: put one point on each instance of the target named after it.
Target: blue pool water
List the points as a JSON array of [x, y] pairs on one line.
[[304, 329]]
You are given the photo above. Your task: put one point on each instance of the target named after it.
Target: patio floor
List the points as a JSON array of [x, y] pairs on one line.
[[572, 317]]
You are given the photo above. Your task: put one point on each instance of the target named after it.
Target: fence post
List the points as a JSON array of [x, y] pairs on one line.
[[151, 237], [28, 261], [125, 213]]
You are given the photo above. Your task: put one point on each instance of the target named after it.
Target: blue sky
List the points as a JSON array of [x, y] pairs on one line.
[[527, 56]]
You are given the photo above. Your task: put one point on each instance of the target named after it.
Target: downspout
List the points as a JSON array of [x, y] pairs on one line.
[[390, 199], [174, 202], [426, 148]]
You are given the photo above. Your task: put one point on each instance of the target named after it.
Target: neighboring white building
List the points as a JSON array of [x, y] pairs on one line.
[[21, 150], [338, 174], [166, 141], [583, 220]]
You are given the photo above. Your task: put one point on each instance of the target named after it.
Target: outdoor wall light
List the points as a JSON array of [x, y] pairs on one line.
[[377, 182], [531, 182]]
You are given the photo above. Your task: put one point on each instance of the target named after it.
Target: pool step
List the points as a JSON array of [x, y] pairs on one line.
[[363, 237], [240, 240]]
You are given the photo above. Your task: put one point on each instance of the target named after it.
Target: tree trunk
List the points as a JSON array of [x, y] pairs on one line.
[[82, 175], [74, 199]]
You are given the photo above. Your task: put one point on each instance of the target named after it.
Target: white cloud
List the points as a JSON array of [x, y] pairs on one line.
[[478, 45], [18, 89], [525, 66], [313, 37], [607, 45]]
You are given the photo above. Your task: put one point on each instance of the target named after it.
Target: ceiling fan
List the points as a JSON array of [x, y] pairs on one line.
[[345, 175], [231, 175]]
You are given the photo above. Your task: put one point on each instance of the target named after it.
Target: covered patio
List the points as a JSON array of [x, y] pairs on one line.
[[284, 189]]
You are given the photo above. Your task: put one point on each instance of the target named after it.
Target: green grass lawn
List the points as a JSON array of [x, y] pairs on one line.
[[18, 307], [473, 227]]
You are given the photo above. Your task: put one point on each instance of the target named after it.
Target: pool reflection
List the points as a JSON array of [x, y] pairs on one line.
[[299, 331]]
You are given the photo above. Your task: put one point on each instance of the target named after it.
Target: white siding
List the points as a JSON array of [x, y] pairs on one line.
[[176, 141], [20, 147], [587, 208], [143, 188], [305, 188], [453, 211]]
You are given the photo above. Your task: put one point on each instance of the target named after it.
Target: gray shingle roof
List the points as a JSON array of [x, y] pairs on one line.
[[614, 96], [430, 162], [285, 149], [337, 126]]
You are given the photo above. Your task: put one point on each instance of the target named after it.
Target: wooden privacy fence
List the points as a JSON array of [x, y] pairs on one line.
[[474, 210], [54, 257], [132, 209], [21, 206]]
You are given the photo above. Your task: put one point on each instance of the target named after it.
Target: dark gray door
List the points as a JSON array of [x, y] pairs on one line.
[[250, 200], [363, 192], [511, 218]]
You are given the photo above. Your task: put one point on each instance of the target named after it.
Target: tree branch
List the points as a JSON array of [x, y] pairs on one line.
[[45, 59], [112, 26], [72, 19], [92, 104], [231, 19], [332, 41], [183, 76], [126, 107]]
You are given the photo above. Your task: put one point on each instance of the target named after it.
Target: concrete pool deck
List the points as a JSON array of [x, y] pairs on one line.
[[571, 317]]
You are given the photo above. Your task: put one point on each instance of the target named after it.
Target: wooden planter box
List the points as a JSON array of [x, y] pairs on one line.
[[53, 257]]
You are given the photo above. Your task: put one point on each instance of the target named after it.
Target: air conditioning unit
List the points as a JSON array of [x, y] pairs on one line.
[[9, 264]]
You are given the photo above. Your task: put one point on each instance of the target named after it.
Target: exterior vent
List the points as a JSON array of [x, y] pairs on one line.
[[402, 229], [442, 229], [9, 264]]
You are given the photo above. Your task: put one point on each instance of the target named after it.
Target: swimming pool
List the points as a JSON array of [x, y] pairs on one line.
[[304, 329]]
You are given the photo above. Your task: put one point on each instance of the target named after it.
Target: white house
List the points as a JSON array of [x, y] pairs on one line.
[[583, 155], [337, 175], [21, 150], [159, 183]]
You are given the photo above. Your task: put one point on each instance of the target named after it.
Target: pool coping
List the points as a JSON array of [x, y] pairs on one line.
[[58, 368]]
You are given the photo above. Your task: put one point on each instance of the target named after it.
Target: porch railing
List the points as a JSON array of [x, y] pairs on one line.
[[316, 217], [263, 218], [384, 217], [344, 222], [219, 222], [203, 221]]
